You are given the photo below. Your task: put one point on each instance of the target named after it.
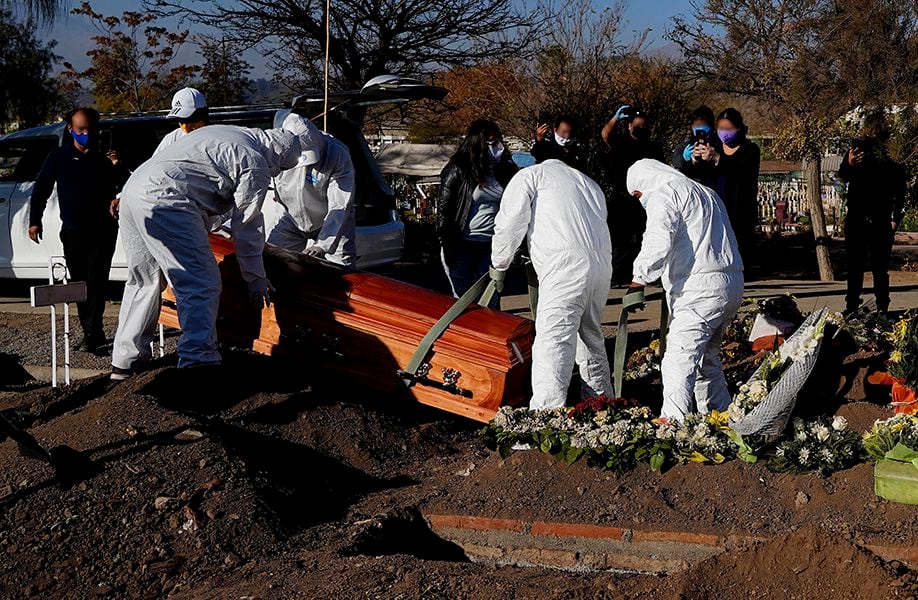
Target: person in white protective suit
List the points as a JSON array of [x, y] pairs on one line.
[[318, 198], [563, 214], [166, 209], [690, 245], [190, 109]]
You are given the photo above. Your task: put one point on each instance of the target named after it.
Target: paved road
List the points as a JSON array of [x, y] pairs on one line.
[[810, 295]]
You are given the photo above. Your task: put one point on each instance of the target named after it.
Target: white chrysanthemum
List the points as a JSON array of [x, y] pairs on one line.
[[758, 390], [779, 452], [804, 456], [799, 425], [822, 432], [736, 412], [502, 418]]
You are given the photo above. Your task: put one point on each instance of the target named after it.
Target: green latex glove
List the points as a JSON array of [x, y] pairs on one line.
[[633, 300], [498, 278]]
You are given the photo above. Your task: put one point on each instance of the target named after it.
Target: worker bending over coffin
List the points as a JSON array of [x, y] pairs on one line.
[[690, 245], [189, 108], [166, 208], [563, 214], [318, 198]]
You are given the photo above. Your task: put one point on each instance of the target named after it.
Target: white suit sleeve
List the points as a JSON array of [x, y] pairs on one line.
[[340, 196], [248, 223], [662, 224], [512, 221], [169, 139]]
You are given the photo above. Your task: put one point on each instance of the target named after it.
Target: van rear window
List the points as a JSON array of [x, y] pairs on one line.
[[21, 160]]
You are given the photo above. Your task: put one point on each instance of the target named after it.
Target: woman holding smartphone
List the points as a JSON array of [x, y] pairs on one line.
[[471, 187]]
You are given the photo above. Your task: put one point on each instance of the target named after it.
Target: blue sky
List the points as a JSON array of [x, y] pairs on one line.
[[73, 33]]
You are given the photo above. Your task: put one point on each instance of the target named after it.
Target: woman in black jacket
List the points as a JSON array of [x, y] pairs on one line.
[[736, 179], [471, 186]]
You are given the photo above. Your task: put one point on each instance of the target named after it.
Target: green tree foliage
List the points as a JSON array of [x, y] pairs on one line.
[[29, 95], [133, 64]]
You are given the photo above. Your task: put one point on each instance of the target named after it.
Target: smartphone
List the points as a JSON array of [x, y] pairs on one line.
[[701, 137], [857, 144], [544, 118]]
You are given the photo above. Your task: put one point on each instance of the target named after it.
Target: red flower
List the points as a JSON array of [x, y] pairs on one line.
[[590, 406]]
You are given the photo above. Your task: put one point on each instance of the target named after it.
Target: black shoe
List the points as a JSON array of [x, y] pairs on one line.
[[120, 374], [92, 343]]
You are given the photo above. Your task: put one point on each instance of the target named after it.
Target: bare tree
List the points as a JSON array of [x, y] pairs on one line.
[[802, 57], [584, 68], [224, 74], [39, 11], [367, 37]]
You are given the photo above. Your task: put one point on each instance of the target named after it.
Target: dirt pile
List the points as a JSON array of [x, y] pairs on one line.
[[251, 481], [806, 564], [185, 495], [734, 497]]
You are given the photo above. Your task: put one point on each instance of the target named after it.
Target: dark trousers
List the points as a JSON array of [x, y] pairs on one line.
[[89, 258], [472, 259], [868, 243], [627, 221]]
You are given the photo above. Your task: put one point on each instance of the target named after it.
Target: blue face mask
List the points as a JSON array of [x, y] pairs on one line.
[[81, 138]]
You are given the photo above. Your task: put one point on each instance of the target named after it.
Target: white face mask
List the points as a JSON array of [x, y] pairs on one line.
[[496, 149], [562, 141]]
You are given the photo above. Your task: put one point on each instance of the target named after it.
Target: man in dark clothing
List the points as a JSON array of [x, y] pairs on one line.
[[562, 144], [695, 156], [87, 183], [875, 206], [627, 144]]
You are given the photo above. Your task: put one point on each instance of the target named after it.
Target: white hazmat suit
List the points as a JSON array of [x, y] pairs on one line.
[[690, 245], [169, 139], [166, 209], [563, 213], [318, 197]]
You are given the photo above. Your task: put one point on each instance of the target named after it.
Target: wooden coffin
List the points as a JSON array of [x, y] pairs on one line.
[[363, 328]]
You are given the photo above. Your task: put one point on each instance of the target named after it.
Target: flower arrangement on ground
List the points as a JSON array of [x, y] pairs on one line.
[[608, 430], [871, 332], [736, 348], [644, 362], [699, 438], [820, 446], [618, 435], [885, 435], [903, 363], [800, 347]]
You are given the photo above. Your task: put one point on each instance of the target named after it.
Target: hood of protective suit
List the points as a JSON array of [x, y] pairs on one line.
[[311, 140], [649, 176], [283, 149]]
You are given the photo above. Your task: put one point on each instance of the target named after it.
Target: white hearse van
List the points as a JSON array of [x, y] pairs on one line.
[[380, 232]]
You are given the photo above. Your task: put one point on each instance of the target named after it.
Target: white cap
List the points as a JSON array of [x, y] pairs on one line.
[[185, 102], [311, 139]]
